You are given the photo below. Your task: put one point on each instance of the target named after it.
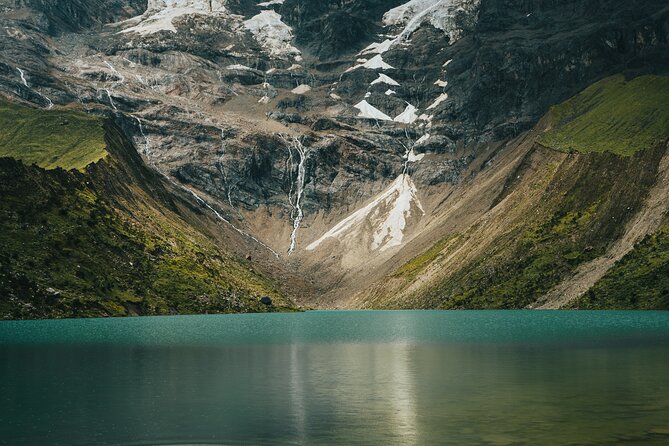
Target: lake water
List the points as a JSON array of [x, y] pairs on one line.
[[338, 378]]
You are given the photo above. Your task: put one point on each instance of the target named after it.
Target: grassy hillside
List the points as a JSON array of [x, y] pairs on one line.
[[574, 224], [640, 280], [559, 210], [613, 115], [50, 138], [112, 241]]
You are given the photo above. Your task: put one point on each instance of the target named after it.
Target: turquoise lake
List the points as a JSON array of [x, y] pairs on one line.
[[338, 378]]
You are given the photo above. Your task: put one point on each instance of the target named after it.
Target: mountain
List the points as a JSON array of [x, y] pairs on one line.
[[89, 230], [392, 154]]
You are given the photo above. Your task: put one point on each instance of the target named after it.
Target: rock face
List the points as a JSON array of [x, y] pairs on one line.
[[58, 16], [295, 116], [526, 56]]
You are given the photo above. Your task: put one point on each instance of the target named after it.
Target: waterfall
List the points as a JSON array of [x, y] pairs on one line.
[[297, 214], [218, 215], [25, 83], [147, 143], [221, 168], [120, 81], [116, 72], [23, 77], [111, 101], [201, 201]]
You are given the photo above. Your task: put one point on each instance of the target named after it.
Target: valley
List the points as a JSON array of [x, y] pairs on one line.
[[455, 154]]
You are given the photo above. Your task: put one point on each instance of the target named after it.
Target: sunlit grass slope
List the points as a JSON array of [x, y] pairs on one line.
[[613, 115], [50, 138], [113, 240]]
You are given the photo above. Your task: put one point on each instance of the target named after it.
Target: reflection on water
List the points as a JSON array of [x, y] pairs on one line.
[[541, 386]]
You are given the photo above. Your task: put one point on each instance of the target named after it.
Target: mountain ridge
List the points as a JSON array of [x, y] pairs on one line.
[[335, 134]]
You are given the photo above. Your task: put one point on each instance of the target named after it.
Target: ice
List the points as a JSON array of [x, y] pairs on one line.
[[408, 115], [442, 97], [388, 213], [385, 80], [370, 112], [272, 34]]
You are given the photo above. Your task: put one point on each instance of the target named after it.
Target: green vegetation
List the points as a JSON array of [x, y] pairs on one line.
[[613, 115], [100, 243], [50, 138], [638, 281], [575, 222], [417, 265], [528, 264], [67, 252]]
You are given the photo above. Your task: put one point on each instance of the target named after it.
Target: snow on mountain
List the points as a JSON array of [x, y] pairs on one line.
[[379, 48], [385, 80], [388, 215], [414, 157], [202, 5], [375, 63], [442, 97], [370, 112], [270, 3], [423, 139], [301, 89], [410, 16], [161, 13], [272, 34], [408, 116], [439, 13]]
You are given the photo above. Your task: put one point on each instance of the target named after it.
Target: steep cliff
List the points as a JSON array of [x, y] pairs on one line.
[[88, 230], [337, 133]]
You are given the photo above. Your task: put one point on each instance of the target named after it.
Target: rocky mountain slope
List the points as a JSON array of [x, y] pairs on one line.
[[384, 153], [88, 230]]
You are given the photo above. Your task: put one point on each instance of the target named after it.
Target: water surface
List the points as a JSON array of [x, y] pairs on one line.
[[338, 378]]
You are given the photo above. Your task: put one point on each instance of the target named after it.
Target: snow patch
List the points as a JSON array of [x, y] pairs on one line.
[[408, 115], [423, 139], [375, 63], [385, 80], [301, 89], [415, 157], [370, 112], [161, 13], [442, 97], [270, 3], [379, 48], [439, 13], [388, 215], [239, 67], [272, 34]]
